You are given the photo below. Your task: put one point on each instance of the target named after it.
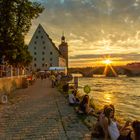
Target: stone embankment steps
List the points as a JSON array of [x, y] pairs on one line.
[[40, 113]]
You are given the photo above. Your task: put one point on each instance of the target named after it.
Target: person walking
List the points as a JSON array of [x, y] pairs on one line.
[[53, 78]]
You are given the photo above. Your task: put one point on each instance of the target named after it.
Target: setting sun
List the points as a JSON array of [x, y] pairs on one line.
[[107, 62]]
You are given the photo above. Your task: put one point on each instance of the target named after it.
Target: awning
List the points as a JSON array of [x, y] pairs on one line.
[[57, 68]]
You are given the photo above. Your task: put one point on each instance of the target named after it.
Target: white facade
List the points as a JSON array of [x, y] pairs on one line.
[[63, 48], [44, 52], [62, 62]]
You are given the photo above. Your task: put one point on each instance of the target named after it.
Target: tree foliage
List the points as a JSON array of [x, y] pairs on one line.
[[15, 21]]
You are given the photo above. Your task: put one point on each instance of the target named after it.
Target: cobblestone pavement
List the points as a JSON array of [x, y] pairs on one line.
[[40, 113]]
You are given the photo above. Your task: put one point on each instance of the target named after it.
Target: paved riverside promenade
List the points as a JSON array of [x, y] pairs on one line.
[[40, 113]]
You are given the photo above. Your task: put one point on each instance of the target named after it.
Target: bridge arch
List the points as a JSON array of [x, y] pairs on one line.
[[78, 72]]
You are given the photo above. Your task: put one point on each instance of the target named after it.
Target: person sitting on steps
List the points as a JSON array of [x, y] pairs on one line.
[[133, 134], [97, 130], [84, 106], [111, 127], [72, 99]]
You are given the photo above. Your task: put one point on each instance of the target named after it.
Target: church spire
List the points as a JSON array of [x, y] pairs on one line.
[[63, 38]]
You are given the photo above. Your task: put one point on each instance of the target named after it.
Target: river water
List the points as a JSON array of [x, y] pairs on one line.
[[124, 93]]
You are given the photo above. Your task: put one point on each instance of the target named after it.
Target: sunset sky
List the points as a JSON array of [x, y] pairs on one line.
[[94, 29]]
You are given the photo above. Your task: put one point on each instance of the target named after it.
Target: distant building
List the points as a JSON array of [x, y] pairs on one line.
[[44, 52], [134, 67], [135, 64]]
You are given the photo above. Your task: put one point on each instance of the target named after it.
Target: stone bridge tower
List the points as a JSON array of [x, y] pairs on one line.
[[63, 48]]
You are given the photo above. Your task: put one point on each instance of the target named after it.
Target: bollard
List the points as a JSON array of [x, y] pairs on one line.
[[76, 82]]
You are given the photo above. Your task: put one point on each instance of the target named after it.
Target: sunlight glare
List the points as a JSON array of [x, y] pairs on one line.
[[108, 97], [107, 62]]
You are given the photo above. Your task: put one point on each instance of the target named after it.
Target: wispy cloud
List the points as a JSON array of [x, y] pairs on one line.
[[129, 56], [93, 26]]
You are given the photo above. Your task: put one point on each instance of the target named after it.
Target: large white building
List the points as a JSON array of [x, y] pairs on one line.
[[44, 52]]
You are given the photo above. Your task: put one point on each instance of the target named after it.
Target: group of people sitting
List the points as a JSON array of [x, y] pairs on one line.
[[108, 127], [83, 107]]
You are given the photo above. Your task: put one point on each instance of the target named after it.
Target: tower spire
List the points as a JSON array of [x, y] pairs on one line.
[[63, 38], [63, 33]]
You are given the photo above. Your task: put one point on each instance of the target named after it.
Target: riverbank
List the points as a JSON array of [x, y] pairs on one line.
[[41, 112], [123, 93], [90, 121]]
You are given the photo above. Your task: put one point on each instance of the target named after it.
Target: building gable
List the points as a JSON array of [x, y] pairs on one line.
[[43, 50]]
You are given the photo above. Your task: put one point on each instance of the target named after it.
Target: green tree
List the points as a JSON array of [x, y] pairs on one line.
[[15, 21], [20, 57]]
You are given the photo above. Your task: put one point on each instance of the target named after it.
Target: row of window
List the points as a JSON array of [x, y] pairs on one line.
[[43, 53], [43, 48], [37, 37], [43, 65], [43, 42], [42, 59]]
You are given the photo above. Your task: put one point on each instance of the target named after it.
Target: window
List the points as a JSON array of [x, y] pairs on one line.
[[34, 65], [44, 47], [50, 53], [43, 59], [36, 37], [34, 59], [34, 48], [39, 31], [35, 42], [43, 42], [41, 36], [43, 53], [34, 53], [50, 59], [42, 65]]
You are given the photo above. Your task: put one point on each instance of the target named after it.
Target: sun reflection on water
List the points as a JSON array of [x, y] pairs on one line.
[[123, 93], [108, 98]]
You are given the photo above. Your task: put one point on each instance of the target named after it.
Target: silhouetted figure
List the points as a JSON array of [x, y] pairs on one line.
[[53, 78], [84, 106], [66, 87]]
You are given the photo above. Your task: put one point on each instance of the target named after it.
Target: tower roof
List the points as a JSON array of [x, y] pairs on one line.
[[40, 26], [63, 37]]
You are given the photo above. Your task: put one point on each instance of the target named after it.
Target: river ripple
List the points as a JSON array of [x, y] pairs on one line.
[[124, 93]]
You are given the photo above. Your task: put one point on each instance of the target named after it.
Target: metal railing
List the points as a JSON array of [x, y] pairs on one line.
[[9, 71]]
